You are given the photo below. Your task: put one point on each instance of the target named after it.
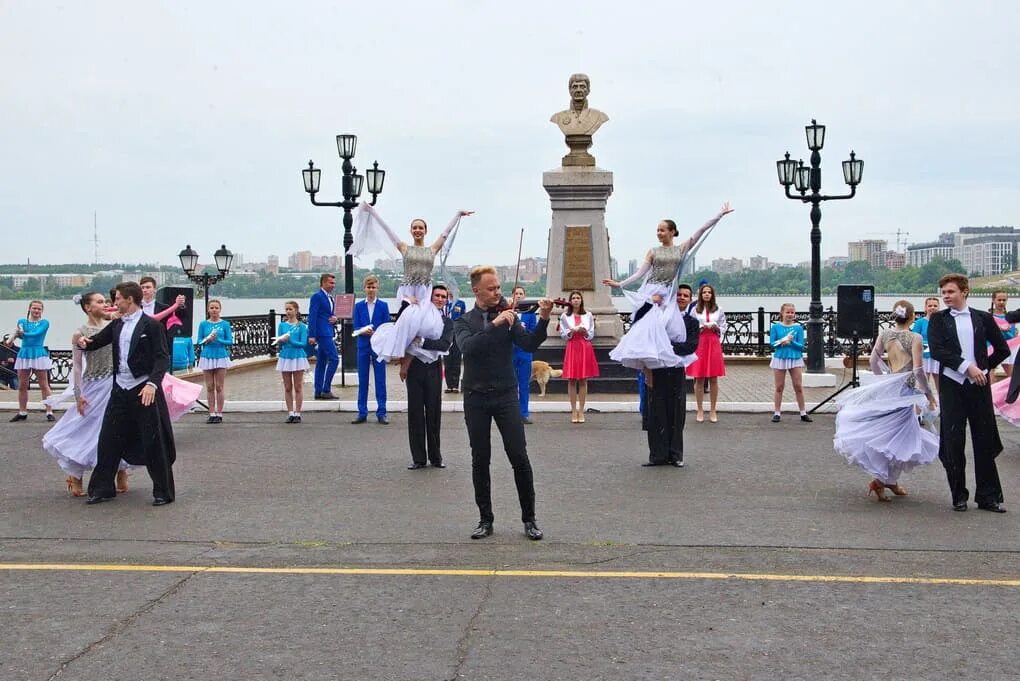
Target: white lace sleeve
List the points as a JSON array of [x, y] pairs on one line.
[[646, 265], [877, 364]]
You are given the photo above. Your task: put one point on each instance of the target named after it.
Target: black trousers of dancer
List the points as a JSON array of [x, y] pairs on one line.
[[142, 436], [666, 403], [963, 404], [503, 407], [451, 365], [424, 410]]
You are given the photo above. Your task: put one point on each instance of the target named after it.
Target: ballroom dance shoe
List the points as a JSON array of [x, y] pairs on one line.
[[415, 466], [897, 489], [960, 506], [532, 532], [992, 506], [19, 417], [161, 501], [98, 500], [483, 530], [383, 421], [878, 488], [74, 486], [649, 464], [122, 482], [438, 464], [360, 419]]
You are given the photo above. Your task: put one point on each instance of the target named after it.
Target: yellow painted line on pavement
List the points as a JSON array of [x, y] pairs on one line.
[[542, 574]]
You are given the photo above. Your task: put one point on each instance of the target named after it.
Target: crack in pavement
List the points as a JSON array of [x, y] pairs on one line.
[[462, 642], [122, 625]]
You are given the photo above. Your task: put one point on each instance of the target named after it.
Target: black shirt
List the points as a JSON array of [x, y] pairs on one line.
[[488, 349]]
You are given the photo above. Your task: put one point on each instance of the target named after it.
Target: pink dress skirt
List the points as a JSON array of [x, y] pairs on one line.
[[579, 359], [710, 358]]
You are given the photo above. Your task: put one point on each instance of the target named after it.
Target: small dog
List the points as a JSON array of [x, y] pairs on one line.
[[541, 372]]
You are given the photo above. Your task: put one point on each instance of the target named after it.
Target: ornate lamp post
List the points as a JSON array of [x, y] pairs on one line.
[[808, 181], [189, 261], [351, 186]]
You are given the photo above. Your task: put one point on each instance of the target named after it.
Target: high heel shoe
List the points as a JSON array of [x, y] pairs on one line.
[[700, 417], [573, 416], [879, 489], [580, 415], [122, 482], [897, 489], [74, 486]]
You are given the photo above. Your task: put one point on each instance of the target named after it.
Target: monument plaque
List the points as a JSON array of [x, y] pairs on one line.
[[578, 258]]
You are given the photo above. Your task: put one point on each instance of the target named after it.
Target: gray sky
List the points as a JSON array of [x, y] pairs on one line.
[[188, 122]]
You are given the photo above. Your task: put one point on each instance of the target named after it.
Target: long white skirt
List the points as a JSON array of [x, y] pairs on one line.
[[74, 441], [392, 340], [877, 428], [647, 343]]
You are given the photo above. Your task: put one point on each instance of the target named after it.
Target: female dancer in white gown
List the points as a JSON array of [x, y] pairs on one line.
[[647, 345], [877, 427], [73, 442], [419, 317]]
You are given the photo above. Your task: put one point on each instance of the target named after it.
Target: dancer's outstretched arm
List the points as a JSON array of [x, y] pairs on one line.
[[725, 210], [449, 229], [641, 271], [396, 240]]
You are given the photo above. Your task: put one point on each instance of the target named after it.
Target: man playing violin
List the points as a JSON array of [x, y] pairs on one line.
[[486, 335]]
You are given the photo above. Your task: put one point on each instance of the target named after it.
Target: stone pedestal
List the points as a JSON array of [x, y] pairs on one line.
[[579, 244]]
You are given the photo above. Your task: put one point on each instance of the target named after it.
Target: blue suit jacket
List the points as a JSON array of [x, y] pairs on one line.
[[319, 312], [380, 315], [529, 320]]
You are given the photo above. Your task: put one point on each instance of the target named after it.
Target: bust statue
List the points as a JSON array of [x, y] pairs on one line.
[[579, 122]]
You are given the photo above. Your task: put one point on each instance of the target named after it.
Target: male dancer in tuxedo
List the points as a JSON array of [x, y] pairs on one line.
[[369, 314], [667, 395], [452, 361], [957, 337], [321, 330], [149, 304], [425, 390], [136, 425], [522, 358], [486, 335]]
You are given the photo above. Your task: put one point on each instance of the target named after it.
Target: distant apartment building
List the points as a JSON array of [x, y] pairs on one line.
[[18, 281], [981, 250], [532, 269], [871, 251], [727, 265], [301, 261], [273, 265], [758, 262], [895, 260], [387, 265], [631, 267], [614, 268]]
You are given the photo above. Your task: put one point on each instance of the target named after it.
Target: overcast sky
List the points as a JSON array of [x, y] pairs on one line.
[[189, 122]]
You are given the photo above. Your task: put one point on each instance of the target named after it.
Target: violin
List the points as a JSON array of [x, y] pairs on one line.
[[522, 306]]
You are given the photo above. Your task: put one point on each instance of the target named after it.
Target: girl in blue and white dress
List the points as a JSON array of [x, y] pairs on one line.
[[787, 340], [33, 358], [74, 441], [292, 361], [417, 317], [920, 327], [656, 319], [216, 338]]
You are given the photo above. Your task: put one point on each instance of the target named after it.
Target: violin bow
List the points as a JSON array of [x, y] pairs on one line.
[[517, 274]]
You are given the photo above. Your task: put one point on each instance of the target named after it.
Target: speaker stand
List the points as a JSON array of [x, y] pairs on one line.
[[854, 380]]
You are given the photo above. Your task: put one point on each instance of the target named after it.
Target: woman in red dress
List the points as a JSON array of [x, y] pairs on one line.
[[710, 363], [577, 327]]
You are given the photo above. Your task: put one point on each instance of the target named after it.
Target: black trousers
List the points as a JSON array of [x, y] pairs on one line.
[[667, 415], [451, 364], [142, 436], [963, 404], [424, 410], [503, 407]]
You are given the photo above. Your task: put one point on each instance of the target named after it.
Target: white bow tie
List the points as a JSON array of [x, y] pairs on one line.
[[960, 313]]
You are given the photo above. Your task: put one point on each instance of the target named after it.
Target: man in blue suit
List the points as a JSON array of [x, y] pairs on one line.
[[368, 315], [321, 331], [451, 363], [522, 359]]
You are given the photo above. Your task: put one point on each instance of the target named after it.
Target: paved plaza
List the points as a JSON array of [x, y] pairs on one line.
[[310, 552]]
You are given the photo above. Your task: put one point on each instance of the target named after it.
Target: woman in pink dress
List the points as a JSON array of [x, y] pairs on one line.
[[577, 327], [709, 364]]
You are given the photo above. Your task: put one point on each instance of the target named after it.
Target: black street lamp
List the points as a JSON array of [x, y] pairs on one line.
[[809, 179], [351, 186], [189, 261]]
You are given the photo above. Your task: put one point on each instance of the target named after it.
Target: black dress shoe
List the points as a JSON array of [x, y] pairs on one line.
[[653, 463], [776, 418], [383, 421], [992, 506], [483, 530], [211, 419], [806, 419], [527, 420], [297, 419], [97, 500], [438, 464], [677, 463], [51, 417], [19, 417], [532, 531], [415, 466], [360, 419], [326, 396], [960, 506], [290, 419], [161, 501]]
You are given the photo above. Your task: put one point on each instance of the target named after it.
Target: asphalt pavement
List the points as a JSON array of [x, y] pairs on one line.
[[311, 552]]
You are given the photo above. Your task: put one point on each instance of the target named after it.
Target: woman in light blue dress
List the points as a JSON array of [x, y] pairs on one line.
[[216, 338], [33, 357], [292, 360]]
